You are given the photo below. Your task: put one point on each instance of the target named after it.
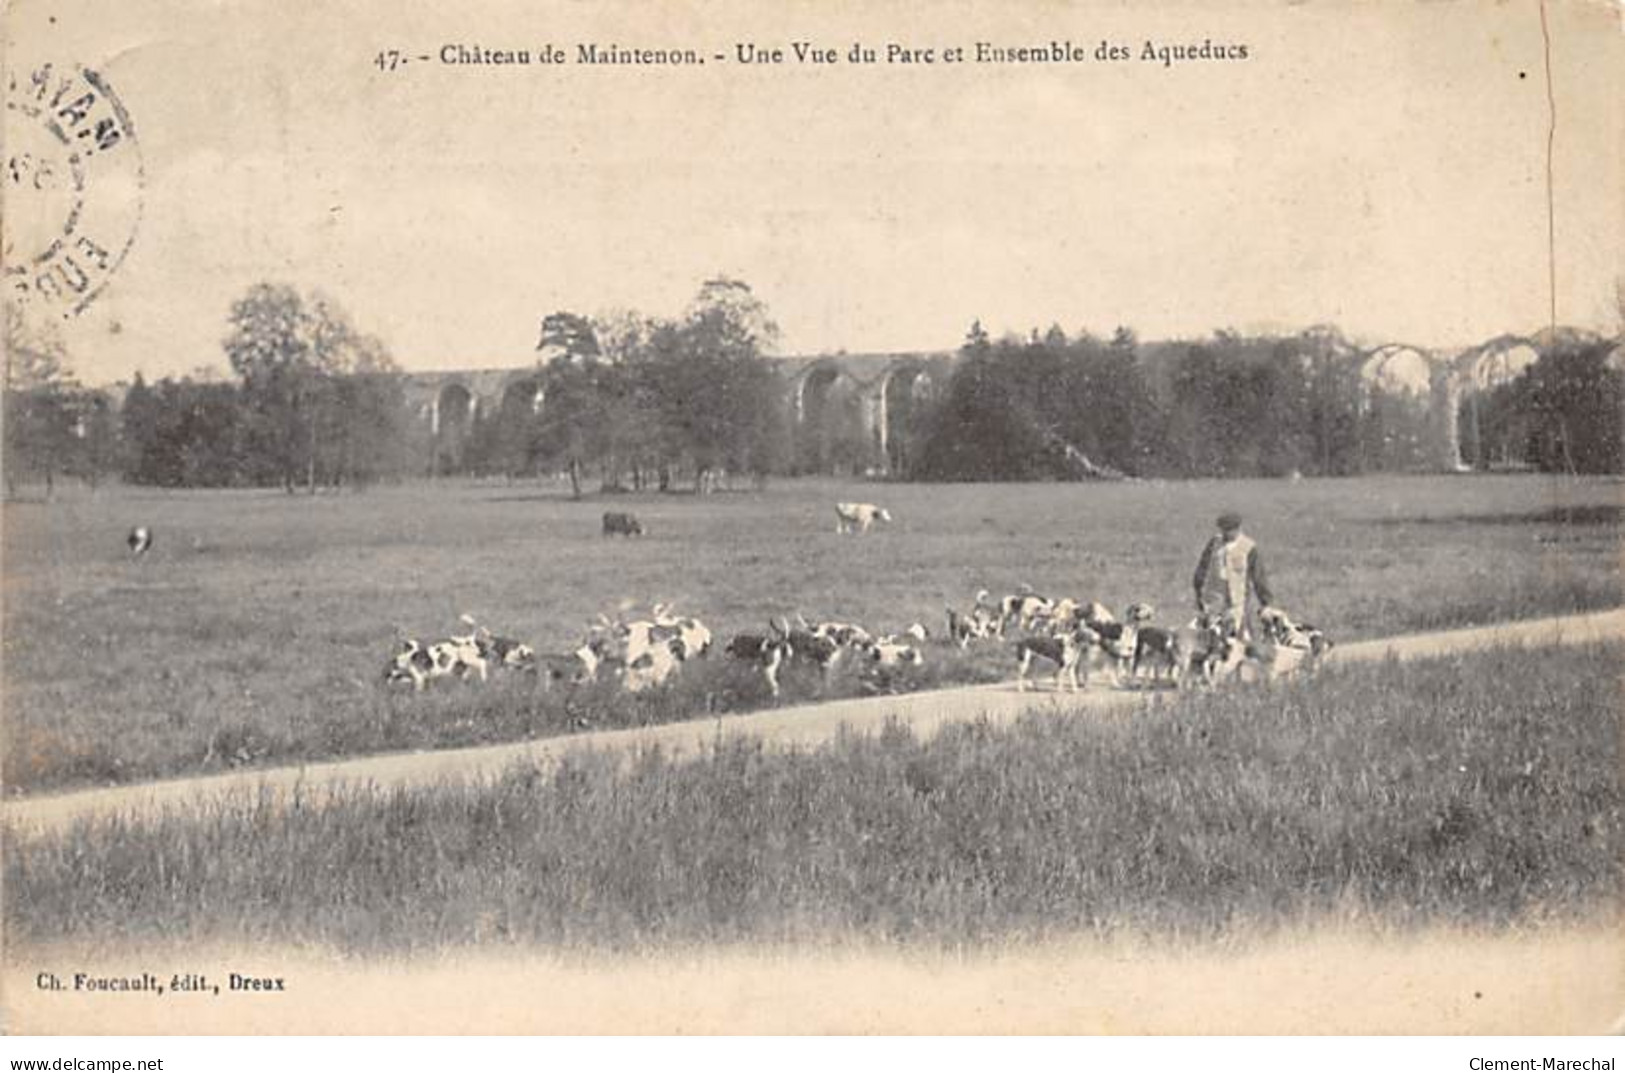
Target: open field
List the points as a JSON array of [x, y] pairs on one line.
[[1463, 792], [255, 632]]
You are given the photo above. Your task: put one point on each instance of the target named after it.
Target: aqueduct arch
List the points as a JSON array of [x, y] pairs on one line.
[[1467, 377], [828, 410], [903, 389], [522, 398], [451, 423], [856, 411], [1452, 384], [1396, 368]]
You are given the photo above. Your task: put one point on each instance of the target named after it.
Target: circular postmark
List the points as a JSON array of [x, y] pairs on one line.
[[72, 186]]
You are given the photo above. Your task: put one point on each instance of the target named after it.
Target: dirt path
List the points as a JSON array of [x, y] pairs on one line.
[[801, 725]]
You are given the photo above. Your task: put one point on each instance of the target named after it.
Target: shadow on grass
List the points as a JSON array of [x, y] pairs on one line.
[[1592, 514]]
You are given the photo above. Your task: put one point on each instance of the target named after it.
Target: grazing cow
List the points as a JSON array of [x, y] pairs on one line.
[[767, 651], [139, 541], [1066, 651], [917, 631], [617, 522], [858, 517]]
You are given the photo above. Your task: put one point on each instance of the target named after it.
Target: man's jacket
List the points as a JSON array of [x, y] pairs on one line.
[[1224, 572]]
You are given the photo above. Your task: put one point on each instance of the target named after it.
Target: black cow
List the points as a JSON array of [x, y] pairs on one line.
[[622, 523]]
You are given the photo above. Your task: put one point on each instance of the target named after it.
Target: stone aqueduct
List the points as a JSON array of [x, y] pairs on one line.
[[877, 393]]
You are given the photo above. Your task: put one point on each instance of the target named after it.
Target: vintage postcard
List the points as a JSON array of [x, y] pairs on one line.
[[722, 518]]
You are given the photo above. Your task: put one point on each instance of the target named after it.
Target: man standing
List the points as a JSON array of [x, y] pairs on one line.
[[1229, 566]]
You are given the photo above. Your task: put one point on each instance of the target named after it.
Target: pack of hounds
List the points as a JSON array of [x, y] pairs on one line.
[[1078, 638], [1074, 638]]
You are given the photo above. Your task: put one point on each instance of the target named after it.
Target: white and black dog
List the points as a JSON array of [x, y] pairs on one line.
[[1024, 609], [1205, 647], [1066, 650], [765, 650], [420, 662], [1285, 646], [478, 653]]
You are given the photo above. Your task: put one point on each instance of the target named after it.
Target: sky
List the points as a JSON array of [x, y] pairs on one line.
[[1380, 166]]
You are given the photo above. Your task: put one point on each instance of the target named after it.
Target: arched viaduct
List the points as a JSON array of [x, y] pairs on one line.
[[1447, 380], [853, 412], [850, 412]]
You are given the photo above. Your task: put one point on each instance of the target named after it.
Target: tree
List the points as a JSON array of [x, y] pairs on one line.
[[1574, 402], [570, 419], [567, 336], [723, 405], [294, 355], [568, 429], [983, 430], [39, 412], [269, 348], [138, 429], [737, 322], [976, 340]]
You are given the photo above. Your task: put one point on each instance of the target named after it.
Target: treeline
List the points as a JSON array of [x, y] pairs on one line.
[[641, 402], [1565, 414], [313, 403], [53, 427], [1054, 407], [1227, 406], [632, 402]]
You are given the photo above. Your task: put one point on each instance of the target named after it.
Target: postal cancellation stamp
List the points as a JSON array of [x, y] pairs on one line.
[[72, 188]]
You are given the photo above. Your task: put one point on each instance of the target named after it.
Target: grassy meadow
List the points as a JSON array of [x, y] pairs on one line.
[[256, 630], [1462, 793]]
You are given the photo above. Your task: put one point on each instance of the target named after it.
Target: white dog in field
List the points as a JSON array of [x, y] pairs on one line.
[[858, 517]]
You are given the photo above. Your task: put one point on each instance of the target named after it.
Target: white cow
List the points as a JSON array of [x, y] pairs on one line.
[[858, 517]]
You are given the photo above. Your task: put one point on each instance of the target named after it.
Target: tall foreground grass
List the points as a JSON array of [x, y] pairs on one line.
[[1476, 791]]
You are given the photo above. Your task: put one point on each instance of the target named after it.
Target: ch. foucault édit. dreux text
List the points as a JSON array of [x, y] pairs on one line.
[[798, 53], [136, 983]]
